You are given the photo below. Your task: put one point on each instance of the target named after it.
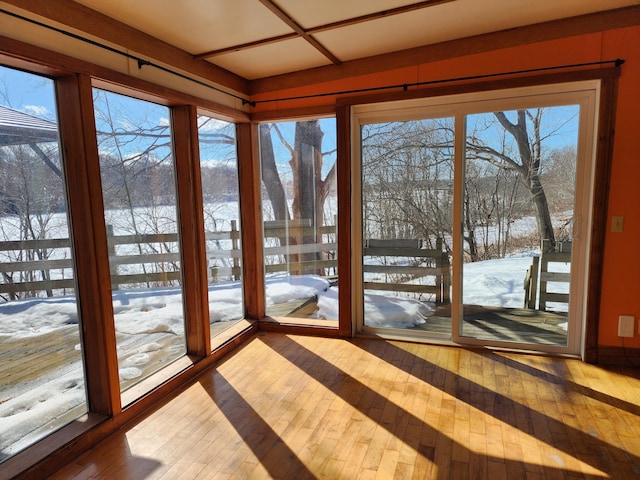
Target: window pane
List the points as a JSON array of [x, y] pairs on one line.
[[407, 207], [136, 165], [220, 196], [42, 385], [519, 195], [299, 213]]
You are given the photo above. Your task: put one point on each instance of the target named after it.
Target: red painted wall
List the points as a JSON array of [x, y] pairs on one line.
[[621, 276]]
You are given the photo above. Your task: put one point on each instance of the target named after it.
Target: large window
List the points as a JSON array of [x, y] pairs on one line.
[[42, 385], [474, 214], [140, 212], [299, 218], [221, 204]]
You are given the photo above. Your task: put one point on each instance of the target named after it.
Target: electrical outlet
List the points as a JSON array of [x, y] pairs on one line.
[[625, 325]]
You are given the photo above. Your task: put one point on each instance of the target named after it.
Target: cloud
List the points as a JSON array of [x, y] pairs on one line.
[[209, 124], [36, 110]]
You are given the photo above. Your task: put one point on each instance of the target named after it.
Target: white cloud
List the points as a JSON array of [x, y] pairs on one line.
[[36, 110], [210, 124]]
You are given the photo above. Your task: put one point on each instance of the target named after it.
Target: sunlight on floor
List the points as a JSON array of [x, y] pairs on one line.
[[342, 409]]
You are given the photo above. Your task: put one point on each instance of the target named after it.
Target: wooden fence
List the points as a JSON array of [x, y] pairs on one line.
[[34, 273], [438, 271], [156, 260], [540, 269], [293, 255]]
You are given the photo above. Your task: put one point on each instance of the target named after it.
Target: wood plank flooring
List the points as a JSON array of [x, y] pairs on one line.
[[295, 407]]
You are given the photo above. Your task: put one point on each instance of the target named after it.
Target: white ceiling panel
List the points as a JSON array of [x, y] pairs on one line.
[[312, 13], [447, 21], [272, 59], [195, 25]]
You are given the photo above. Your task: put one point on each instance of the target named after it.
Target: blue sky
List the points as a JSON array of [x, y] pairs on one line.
[[34, 94], [27, 93]]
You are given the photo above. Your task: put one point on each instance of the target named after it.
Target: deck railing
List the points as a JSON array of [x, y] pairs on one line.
[[154, 259], [419, 265], [540, 270]]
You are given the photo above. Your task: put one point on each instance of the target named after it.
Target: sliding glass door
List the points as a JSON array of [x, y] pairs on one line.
[[518, 216], [407, 206], [473, 216]]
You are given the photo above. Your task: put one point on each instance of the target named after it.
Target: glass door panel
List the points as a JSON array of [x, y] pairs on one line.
[[407, 204], [517, 224]]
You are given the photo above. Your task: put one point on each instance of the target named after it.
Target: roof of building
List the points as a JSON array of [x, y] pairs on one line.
[[19, 128]]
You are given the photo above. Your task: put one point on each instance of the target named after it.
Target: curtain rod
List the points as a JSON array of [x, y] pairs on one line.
[[141, 61], [617, 63]]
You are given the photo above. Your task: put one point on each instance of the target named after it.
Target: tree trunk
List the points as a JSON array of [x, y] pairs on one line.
[[470, 227], [272, 182], [529, 151], [543, 217], [270, 176], [306, 164]]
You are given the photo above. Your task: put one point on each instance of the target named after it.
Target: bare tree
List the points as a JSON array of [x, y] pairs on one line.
[[309, 190], [527, 160], [137, 177], [407, 171], [271, 176], [32, 195]]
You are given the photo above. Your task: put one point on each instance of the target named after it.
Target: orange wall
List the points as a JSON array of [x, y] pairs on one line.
[[621, 282]]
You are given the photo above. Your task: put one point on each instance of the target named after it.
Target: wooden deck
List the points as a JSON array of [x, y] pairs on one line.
[[300, 308], [28, 366], [292, 407], [23, 360], [502, 324], [519, 325]]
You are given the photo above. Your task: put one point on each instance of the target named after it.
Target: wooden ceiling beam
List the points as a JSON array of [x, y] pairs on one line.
[[323, 28], [286, 18]]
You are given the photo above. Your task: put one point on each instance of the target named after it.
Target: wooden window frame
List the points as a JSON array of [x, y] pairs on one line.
[[74, 82]]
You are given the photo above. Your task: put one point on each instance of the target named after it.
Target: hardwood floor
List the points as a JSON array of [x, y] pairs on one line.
[[295, 407]]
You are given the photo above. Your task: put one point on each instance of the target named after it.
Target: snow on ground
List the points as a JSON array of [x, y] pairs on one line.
[[498, 283], [492, 282], [32, 409]]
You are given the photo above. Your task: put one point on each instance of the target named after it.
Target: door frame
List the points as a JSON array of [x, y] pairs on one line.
[[601, 87]]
